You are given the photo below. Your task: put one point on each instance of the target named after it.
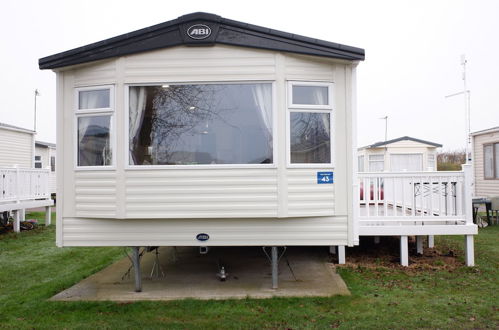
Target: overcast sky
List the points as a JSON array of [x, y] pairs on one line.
[[413, 51]]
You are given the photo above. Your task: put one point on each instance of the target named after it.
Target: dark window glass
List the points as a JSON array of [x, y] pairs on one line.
[[94, 99], [94, 147], [38, 165], [200, 124], [310, 95], [38, 157], [52, 163], [488, 162], [310, 137]]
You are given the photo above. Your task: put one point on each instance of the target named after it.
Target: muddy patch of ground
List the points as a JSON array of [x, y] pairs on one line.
[[386, 255]]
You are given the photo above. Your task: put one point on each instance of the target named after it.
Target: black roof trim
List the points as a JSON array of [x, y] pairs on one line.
[[224, 31], [44, 144], [380, 144]]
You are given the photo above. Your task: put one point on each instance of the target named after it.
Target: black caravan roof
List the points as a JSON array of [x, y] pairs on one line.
[[201, 29], [403, 138]]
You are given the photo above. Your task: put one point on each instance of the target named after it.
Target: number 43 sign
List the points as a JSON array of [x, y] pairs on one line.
[[325, 177]]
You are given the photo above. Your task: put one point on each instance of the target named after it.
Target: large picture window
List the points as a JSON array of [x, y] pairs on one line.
[[310, 123], [200, 124], [94, 114], [491, 161]]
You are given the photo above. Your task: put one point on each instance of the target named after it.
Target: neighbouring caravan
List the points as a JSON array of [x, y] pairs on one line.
[[204, 131], [402, 154], [22, 184], [486, 162], [17, 147], [45, 154]]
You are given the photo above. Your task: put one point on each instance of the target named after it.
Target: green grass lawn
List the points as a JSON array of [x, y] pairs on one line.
[[32, 270]]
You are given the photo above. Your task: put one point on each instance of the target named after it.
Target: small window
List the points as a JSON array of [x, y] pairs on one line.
[[310, 95], [491, 161], [361, 163], [94, 143], [94, 99], [310, 138], [38, 162], [431, 162], [52, 163], [38, 158], [376, 163], [94, 117], [310, 114]]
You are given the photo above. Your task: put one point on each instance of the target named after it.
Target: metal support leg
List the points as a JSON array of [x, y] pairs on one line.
[[431, 241], [48, 215], [136, 267], [341, 254], [17, 221], [376, 240], [469, 250], [419, 244], [275, 267], [404, 251], [332, 249]]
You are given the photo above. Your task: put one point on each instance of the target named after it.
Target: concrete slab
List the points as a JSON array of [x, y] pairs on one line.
[[303, 271]]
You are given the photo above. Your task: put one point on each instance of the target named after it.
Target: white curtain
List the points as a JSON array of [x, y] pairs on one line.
[[137, 107], [83, 123], [262, 95], [406, 162], [320, 97]]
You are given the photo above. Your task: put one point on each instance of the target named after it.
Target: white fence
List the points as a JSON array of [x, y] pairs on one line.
[[20, 184], [414, 199]]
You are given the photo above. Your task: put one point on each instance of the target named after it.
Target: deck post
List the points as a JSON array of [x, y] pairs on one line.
[[275, 268], [341, 254], [136, 267], [469, 250], [17, 221], [404, 251], [48, 215], [332, 249], [431, 241], [419, 244], [376, 239]]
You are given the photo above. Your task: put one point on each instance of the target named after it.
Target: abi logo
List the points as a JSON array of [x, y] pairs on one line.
[[199, 31]]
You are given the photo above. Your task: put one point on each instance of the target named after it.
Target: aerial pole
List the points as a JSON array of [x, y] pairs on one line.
[[467, 110], [34, 124]]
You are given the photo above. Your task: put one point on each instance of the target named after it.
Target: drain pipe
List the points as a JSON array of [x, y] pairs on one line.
[[136, 267], [275, 269]]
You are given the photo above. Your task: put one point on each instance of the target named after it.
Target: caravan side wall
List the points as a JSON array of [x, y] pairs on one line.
[[484, 187], [235, 206], [16, 148]]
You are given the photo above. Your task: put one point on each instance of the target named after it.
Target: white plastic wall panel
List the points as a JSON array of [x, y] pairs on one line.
[[484, 188], [306, 197], [302, 68], [95, 194], [181, 64], [98, 73], [211, 193], [16, 148], [222, 232]]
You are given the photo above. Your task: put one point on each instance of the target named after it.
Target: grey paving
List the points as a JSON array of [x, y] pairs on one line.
[[303, 271]]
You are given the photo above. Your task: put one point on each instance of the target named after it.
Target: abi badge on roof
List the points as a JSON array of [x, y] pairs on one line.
[[325, 177], [199, 31]]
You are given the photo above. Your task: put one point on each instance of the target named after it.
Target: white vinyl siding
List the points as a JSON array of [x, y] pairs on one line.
[[16, 148], [360, 163]]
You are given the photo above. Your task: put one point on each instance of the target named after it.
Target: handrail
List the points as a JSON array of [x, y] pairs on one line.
[[19, 184]]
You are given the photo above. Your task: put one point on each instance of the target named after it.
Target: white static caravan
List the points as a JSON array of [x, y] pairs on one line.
[[204, 131], [22, 186], [401, 154], [486, 162], [45, 155]]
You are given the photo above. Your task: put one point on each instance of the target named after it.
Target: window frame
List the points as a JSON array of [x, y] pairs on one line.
[[80, 113], [369, 161], [38, 161], [126, 157], [310, 108], [495, 176]]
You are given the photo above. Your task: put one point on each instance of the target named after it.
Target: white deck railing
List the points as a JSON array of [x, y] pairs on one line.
[[20, 184], [414, 199]]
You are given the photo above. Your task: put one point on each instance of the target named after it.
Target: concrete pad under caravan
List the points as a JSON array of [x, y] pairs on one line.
[[303, 271]]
